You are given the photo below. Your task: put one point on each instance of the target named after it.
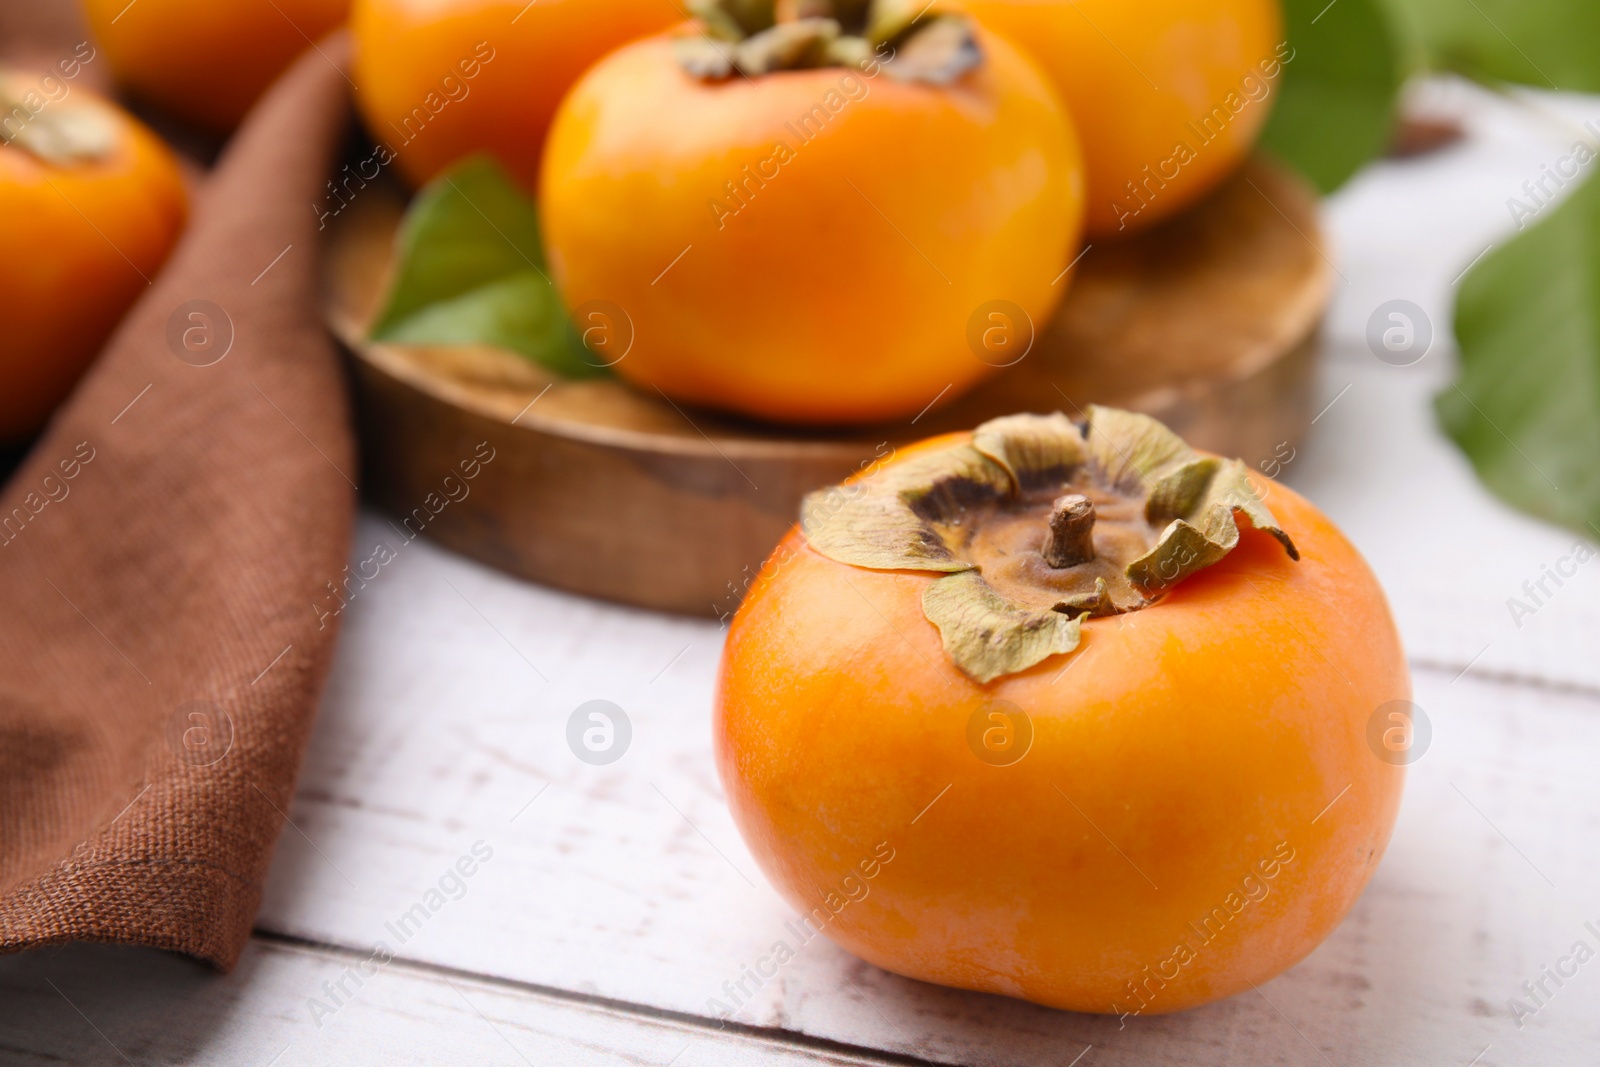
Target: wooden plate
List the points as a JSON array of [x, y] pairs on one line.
[[1209, 323]]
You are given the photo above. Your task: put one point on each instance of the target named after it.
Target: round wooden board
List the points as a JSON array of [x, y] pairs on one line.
[[1209, 323]]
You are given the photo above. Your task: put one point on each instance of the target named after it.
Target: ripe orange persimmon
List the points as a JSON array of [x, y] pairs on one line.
[[1168, 788], [1169, 95], [442, 79], [813, 243], [207, 61], [92, 203]]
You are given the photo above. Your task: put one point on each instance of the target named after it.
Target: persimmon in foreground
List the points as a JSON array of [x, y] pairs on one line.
[[93, 202], [1103, 711], [802, 207]]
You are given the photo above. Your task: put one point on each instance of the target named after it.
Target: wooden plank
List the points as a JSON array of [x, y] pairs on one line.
[[1459, 916], [445, 727], [448, 710], [1452, 559], [1449, 554], [629, 881], [93, 1005]]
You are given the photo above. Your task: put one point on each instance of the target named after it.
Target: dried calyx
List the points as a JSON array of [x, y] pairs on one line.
[[59, 134], [910, 40], [1038, 522]]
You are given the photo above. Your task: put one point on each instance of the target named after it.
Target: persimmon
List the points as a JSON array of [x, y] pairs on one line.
[[1169, 95], [207, 62], [1065, 712], [443, 79], [93, 202], [802, 219]]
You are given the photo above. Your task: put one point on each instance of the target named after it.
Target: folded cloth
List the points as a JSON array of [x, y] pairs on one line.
[[160, 552]]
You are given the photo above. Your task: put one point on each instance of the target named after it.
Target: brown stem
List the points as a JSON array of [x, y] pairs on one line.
[[1070, 539]]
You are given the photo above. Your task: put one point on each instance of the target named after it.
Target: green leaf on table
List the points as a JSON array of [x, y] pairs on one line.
[[1549, 44], [470, 269], [1336, 102], [1525, 407]]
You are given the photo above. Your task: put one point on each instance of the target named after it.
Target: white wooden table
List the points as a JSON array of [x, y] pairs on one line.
[[619, 899]]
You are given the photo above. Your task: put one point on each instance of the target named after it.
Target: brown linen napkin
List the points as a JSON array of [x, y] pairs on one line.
[[160, 552]]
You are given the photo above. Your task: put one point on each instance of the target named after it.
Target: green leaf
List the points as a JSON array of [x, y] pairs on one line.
[[1545, 43], [1336, 101], [470, 270], [1525, 407]]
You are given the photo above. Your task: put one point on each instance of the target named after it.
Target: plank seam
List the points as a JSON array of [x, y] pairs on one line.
[[1488, 675], [775, 1035]]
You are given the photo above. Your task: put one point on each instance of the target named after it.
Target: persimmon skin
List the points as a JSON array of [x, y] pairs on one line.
[[839, 286], [78, 244], [1185, 746], [1136, 76], [404, 49], [207, 61]]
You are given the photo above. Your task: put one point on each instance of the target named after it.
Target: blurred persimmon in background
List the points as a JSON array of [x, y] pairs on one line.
[[441, 79], [207, 62], [1168, 95], [813, 244], [93, 203]]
